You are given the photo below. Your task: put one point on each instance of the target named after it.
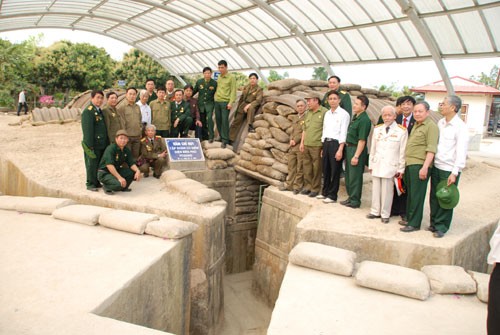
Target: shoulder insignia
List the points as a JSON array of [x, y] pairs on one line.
[[89, 108], [143, 139], [157, 136], [378, 125], [401, 126], [343, 92]]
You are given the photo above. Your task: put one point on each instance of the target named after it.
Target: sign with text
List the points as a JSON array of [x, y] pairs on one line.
[[184, 149]]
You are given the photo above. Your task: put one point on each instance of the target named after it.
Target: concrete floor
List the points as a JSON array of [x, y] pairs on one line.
[[244, 312]]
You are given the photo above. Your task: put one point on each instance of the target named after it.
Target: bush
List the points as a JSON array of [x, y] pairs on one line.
[[6, 100]]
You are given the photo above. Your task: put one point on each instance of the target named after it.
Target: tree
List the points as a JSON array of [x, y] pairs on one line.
[[489, 80], [274, 76], [76, 66], [137, 66], [16, 65], [320, 73], [395, 91]]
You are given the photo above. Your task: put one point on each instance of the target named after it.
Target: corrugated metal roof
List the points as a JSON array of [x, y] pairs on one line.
[[257, 34]]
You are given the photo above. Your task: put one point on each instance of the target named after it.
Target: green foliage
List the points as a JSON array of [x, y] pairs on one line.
[[274, 76], [320, 73], [137, 66], [80, 66], [395, 91], [6, 99], [489, 80]]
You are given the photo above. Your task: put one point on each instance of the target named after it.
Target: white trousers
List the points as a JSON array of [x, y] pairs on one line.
[[382, 192]]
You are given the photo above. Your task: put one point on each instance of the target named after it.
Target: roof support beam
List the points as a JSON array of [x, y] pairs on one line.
[[409, 9], [295, 31]]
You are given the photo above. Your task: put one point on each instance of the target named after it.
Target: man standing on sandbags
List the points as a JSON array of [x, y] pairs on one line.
[[295, 179], [95, 138], [310, 145], [345, 98], [356, 153], [249, 103], [333, 137], [225, 97], [113, 173]]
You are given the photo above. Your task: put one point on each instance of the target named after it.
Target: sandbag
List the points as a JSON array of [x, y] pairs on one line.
[[280, 135], [286, 99], [260, 124], [216, 164], [170, 228], [449, 279], [283, 168], [283, 84], [254, 136], [269, 93], [260, 152], [42, 205], [132, 222], [394, 279], [323, 258], [270, 118], [300, 88], [245, 155], [367, 90], [263, 133], [259, 160], [270, 172], [285, 110], [314, 83], [283, 122], [186, 186], [219, 153], [270, 108], [9, 202], [263, 144], [482, 284], [350, 87], [278, 145], [279, 155], [171, 175], [85, 214], [355, 93], [247, 165]]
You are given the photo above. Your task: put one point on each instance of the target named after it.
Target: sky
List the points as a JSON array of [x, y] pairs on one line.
[[413, 74]]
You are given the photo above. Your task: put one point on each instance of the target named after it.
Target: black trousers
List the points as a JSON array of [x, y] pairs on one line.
[[331, 169], [493, 323]]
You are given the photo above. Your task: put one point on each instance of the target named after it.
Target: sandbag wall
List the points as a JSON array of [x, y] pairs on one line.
[[264, 152]]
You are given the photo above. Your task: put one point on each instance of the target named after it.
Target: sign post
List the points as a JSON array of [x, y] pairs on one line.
[[185, 154]]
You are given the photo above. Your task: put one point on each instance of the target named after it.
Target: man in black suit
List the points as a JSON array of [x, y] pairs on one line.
[[406, 120]]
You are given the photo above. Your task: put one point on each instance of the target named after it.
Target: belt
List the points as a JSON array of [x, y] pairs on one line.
[[350, 144], [328, 139]]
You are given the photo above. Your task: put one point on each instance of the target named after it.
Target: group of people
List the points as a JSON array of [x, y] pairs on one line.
[[407, 149], [135, 131]]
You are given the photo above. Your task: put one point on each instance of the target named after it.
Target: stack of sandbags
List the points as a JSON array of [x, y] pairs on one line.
[[41, 116], [217, 157], [246, 199], [264, 152]]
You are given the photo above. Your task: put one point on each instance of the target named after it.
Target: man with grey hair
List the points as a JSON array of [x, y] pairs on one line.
[[420, 150], [386, 161], [449, 161], [153, 153], [144, 107]]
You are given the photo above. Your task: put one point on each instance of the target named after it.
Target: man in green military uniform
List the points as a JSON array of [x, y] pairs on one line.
[[180, 115], [153, 153], [295, 179], [356, 152], [113, 173], [132, 117], [113, 120], [160, 113], [310, 145], [95, 138], [420, 150], [345, 98], [150, 88], [170, 86], [196, 125], [206, 87], [249, 102], [225, 97]]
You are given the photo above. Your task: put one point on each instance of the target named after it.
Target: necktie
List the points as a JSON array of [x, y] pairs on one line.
[[387, 129], [404, 122]]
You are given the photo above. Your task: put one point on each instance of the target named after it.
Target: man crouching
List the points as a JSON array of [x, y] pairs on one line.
[[112, 173], [153, 153]]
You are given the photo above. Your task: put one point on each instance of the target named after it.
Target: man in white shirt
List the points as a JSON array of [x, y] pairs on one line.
[[144, 107], [335, 124], [22, 103], [449, 160]]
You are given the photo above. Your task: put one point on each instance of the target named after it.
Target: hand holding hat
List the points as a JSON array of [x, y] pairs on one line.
[[447, 196]]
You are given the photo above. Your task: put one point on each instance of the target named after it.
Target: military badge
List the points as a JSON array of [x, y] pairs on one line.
[[201, 86], [181, 110], [149, 148], [211, 88], [89, 108], [117, 157]]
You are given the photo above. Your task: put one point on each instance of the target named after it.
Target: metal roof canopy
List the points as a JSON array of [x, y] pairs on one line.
[[186, 35]]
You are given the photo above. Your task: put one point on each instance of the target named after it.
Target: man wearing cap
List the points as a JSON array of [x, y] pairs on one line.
[[310, 145], [420, 150], [180, 115], [95, 138], [345, 98], [449, 161], [113, 173], [249, 102], [153, 153], [132, 118], [206, 87], [356, 153], [113, 120], [225, 97], [387, 160]]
